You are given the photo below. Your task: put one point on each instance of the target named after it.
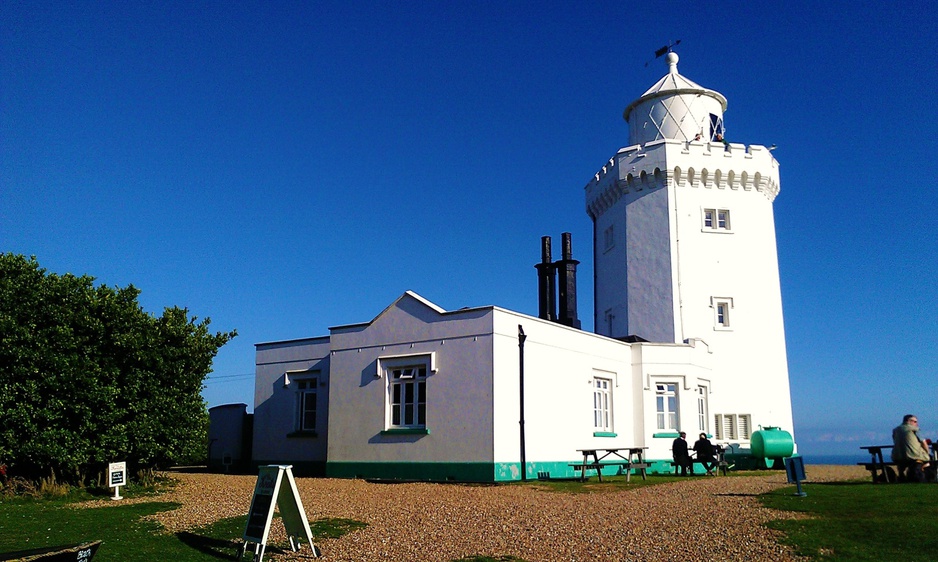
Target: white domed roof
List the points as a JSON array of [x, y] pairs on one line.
[[674, 106]]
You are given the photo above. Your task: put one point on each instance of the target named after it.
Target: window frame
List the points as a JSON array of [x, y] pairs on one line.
[[406, 393], [723, 318], [306, 387], [667, 406], [716, 220], [733, 427], [609, 238], [602, 405], [703, 407]]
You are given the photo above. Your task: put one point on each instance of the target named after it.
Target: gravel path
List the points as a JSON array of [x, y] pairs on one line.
[[706, 518]]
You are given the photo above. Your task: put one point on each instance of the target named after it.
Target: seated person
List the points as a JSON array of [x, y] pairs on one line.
[[909, 452], [682, 458], [705, 452]]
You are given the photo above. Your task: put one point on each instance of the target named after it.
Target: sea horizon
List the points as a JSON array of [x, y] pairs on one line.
[[840, 459]]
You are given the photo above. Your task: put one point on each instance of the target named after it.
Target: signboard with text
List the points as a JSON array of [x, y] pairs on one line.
[[117, 477], [276, 487]]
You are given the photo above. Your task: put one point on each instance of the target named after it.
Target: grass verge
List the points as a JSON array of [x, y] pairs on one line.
[[860, 520], [617, 483], [36, 523]]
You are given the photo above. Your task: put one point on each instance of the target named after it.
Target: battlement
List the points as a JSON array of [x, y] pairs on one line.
[[695, 164]]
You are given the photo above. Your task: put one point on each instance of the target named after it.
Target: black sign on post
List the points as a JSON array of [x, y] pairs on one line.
[[117, 477]]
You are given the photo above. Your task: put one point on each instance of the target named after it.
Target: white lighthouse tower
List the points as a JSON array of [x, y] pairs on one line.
[[684, 252]]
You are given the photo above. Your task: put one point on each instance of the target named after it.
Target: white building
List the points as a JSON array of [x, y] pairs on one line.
[[684, 247], [685, 259]]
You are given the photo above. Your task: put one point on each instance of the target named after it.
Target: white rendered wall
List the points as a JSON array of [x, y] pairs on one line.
[[750, 368], [459, 404], [560, 364], [275, 403]]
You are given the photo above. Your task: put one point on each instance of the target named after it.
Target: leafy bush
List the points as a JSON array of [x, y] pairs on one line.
[[88, 377]]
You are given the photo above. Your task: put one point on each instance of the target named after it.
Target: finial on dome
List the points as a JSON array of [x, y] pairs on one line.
[[672, 59]]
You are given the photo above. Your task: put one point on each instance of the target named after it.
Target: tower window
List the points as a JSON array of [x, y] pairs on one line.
[[716, 219], [716, 126], [609, 239], [721, 312]]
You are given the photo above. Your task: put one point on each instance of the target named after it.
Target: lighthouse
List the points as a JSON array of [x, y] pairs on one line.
[[685, 252]]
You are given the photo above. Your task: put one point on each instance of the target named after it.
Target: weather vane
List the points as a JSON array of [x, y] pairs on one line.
[[664, 50]]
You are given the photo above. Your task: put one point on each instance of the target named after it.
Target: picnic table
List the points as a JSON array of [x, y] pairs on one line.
[[626, 457], [880, 470]]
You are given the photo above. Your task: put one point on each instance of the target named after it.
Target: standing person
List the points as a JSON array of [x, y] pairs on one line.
[[908, 451], [682, 458], [704, 449]]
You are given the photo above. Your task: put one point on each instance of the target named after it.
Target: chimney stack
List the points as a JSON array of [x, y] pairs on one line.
[[557, 279], [546, 306], [566, 282]]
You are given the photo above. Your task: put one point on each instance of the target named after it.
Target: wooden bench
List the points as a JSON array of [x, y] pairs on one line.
[[881, 472], [720, 465]]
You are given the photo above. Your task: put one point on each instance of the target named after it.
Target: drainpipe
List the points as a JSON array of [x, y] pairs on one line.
[[524, 462]]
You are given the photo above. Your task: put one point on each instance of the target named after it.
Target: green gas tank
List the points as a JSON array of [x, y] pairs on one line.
[[772, 443]]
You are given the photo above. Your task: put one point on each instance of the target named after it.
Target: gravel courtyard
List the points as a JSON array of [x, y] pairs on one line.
[[706, 518]]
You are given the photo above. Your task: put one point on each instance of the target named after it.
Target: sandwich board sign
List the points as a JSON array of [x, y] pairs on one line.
[[276, 487]]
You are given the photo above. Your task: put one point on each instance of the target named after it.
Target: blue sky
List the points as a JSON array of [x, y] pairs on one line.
[[283, 167]]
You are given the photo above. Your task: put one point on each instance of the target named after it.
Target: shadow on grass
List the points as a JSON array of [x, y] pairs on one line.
[[843, 483], [216, 548]]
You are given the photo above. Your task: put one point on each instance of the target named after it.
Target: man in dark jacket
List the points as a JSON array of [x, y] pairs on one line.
[[704, 449], [682, 458]]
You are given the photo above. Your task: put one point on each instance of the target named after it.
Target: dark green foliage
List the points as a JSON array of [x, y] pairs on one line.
[[88, 377], [861, 520]]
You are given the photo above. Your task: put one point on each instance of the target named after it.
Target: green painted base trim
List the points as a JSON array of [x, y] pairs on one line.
[[406, 431], [458, 472], [604, 434]]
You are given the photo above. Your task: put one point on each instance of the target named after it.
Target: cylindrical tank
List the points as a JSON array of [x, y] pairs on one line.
[[772, 443]]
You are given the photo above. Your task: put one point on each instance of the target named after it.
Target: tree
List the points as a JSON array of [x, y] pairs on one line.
[[88, 377]]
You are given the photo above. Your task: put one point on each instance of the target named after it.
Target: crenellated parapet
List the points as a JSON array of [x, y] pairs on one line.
[[691, 165]]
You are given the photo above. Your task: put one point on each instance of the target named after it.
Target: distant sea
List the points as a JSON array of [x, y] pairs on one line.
[[835, 459]]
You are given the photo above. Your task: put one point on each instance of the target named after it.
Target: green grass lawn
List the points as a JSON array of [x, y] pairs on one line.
[[847, 521], [37, 523], [861, 520]]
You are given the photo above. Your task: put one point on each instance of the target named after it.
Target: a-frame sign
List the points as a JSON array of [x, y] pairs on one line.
[[270, 480]]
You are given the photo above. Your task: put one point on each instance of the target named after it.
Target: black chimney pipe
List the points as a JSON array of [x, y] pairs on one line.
[[546, 304], [566, 282]]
